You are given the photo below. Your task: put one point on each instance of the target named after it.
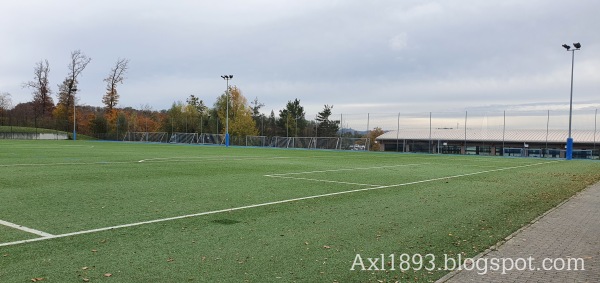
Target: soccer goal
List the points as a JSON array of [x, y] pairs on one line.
[[317, 143], [211, 139], [283, 142], [146, 137], [184, 138]]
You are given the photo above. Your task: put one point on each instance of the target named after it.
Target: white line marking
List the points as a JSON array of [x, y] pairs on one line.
[[172, 159], [210, 158], [344, 169], [265, 204], [26, 229], [66, 163], [326, 181]]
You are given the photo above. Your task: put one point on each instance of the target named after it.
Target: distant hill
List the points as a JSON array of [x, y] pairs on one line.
[[350, 130]]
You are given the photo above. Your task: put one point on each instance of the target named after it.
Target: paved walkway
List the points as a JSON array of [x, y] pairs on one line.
[[572, 230]]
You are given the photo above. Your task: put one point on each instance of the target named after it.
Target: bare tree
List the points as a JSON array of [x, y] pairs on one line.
[[5, 102], [78, 63], [67, 90], [111, 98], [69, 86], [42, 100]]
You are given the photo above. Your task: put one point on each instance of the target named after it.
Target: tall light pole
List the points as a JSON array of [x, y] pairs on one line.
[[227, 78], [570, 138], [74, 90]]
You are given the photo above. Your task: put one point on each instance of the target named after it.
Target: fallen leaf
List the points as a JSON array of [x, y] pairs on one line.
[[86, 280], [326, 247], [85, 268], [37, 279], [107, 274], [94, 251], [170, 259]]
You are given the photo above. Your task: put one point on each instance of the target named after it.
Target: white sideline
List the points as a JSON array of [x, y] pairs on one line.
[[26, 229], [264, 204]]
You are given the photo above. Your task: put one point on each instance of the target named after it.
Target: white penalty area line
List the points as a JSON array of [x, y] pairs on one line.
[[286, 175], [324, 181], [345, 169], [26, 229], [265, 204]]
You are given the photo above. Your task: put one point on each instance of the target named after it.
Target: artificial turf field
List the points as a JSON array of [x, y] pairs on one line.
[[128, 212]]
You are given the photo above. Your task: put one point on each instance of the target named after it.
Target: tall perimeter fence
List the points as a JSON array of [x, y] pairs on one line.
[[337, 143], [355, 128]]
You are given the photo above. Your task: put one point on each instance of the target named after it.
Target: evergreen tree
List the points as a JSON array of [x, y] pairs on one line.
[[326, 127], [291, 119]]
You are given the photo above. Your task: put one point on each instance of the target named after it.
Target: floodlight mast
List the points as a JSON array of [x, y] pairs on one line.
[[569, 153], [74, 90], [227, 78]]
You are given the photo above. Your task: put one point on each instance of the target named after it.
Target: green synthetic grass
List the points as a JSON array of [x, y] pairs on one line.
[[61, 187]]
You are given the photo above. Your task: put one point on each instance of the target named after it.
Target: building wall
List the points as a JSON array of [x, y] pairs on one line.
[[554, 150]]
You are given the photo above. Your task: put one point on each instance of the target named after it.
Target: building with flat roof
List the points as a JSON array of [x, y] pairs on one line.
[[526, 143]]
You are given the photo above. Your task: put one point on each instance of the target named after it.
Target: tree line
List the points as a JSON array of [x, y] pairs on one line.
[[191, 116]]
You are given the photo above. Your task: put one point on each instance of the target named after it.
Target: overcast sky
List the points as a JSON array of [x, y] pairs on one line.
[[360, 56]]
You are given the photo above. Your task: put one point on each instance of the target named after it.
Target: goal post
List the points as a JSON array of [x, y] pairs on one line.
[[184, 138], [332, 143], [206, 138], [160, 137]]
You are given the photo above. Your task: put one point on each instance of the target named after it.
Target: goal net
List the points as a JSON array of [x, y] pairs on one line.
[[146, 137], [184, 138], [313, 142], [211, 138]]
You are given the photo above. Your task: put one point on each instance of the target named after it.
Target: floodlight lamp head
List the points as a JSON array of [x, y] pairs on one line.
[[231, 76], [577, 45], [566, 47]]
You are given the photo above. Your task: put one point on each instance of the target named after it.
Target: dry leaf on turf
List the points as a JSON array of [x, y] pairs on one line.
[[107, 274]]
